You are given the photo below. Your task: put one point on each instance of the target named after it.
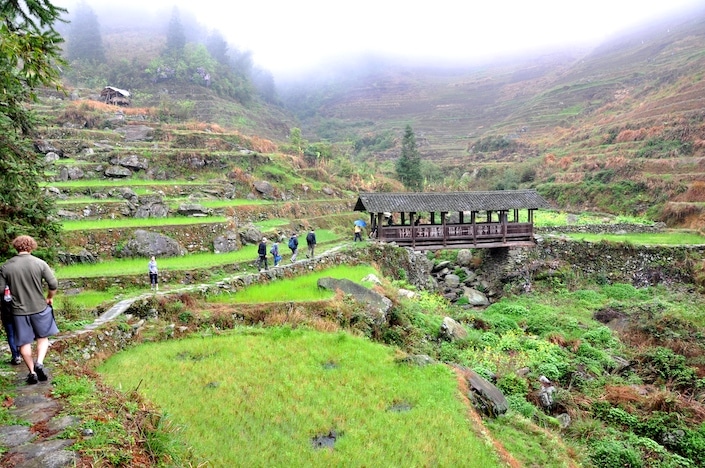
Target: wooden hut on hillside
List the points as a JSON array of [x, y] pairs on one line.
[[115, 96], [455, 219]]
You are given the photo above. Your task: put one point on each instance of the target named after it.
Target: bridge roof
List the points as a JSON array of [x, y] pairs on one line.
[[408, 202]]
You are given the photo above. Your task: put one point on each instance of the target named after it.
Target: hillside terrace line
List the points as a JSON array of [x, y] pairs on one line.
[[488, 227]]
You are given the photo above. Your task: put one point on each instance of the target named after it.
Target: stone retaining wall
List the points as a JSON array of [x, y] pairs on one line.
[[616, 228], [102, 243], [614, 262]]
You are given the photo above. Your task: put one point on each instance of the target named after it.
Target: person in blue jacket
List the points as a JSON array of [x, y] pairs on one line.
[[293, 246]]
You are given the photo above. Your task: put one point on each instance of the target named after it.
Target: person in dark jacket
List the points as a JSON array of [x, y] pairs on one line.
[[8, 322], [262, 252], [311, 243], [293, 246]]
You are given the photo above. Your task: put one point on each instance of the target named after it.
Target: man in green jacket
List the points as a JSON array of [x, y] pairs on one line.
[[33, 314]]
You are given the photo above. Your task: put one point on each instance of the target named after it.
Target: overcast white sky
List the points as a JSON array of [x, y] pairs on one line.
[[286, 36]]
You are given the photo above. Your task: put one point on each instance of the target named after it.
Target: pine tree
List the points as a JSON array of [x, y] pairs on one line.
[[84, 39], [175, 35], [217, 47], [29, 52], [408, 165]]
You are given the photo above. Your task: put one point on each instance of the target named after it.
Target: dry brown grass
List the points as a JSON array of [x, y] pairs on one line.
[[625, 396], [565, 162], [262, 145], [676, 214], [240, 175], [204, 127], [557, 339], [695, 192], [102, 107], [631, 135]]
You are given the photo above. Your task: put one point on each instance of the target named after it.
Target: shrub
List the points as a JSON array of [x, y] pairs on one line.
[[601, 336], [501, 324], [509, 309], [692, 445], [614, 454], [512, 384], [668, 367], [550, 370], [519, 404]]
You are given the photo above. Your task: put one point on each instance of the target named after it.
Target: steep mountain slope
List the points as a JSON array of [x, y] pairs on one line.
[[618, 129], [533, 94]]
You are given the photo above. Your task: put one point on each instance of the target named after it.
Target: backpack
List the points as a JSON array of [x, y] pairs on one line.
[[292, 243]]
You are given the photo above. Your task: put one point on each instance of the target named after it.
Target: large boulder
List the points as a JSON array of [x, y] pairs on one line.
[[376, 304], [452, 330], [136, 132], [83, 256], [452, 280], [67, 214], [250, 234], [125, 193], [228, 242], [464, 258], [487, 398], [117, 172], [146, 243], [51, 157], [132, 162], [475, 297], [193, 209], [263, 187], [44, 147], [151, 206]]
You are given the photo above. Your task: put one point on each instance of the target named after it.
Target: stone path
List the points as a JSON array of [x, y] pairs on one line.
[[36, 446]]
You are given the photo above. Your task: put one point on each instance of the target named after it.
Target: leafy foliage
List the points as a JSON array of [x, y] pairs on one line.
[[29, 53]]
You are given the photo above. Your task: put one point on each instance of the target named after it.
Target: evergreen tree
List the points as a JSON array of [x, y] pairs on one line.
[[217, 47], [408, 165], [29, 52], [175, 35], [84, 38], [263, 82]]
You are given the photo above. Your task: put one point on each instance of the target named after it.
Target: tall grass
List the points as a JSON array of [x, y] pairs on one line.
[[259, 397], [659, 238], [70, 225], [102, 183], [300, 288], [549, 218]]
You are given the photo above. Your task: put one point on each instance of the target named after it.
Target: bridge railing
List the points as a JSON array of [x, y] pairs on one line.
[[449, 235]]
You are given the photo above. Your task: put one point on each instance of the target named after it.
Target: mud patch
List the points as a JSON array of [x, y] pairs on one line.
[[189, 356], [400, 407], [324, 441], [330, 365]]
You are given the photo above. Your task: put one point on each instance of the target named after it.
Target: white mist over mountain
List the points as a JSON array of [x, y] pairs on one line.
[[288, 37]]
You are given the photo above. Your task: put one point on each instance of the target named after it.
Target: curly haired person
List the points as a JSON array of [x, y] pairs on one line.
[[33, 313]]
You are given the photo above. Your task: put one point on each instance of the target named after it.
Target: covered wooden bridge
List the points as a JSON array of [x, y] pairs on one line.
[[452, 220]]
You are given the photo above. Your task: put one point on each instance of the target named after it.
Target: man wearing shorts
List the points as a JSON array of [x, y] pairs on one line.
[[33, 314]]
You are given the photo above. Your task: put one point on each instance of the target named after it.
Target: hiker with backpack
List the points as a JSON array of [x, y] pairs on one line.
[[294, 246], [275, 253], [311, 242]]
